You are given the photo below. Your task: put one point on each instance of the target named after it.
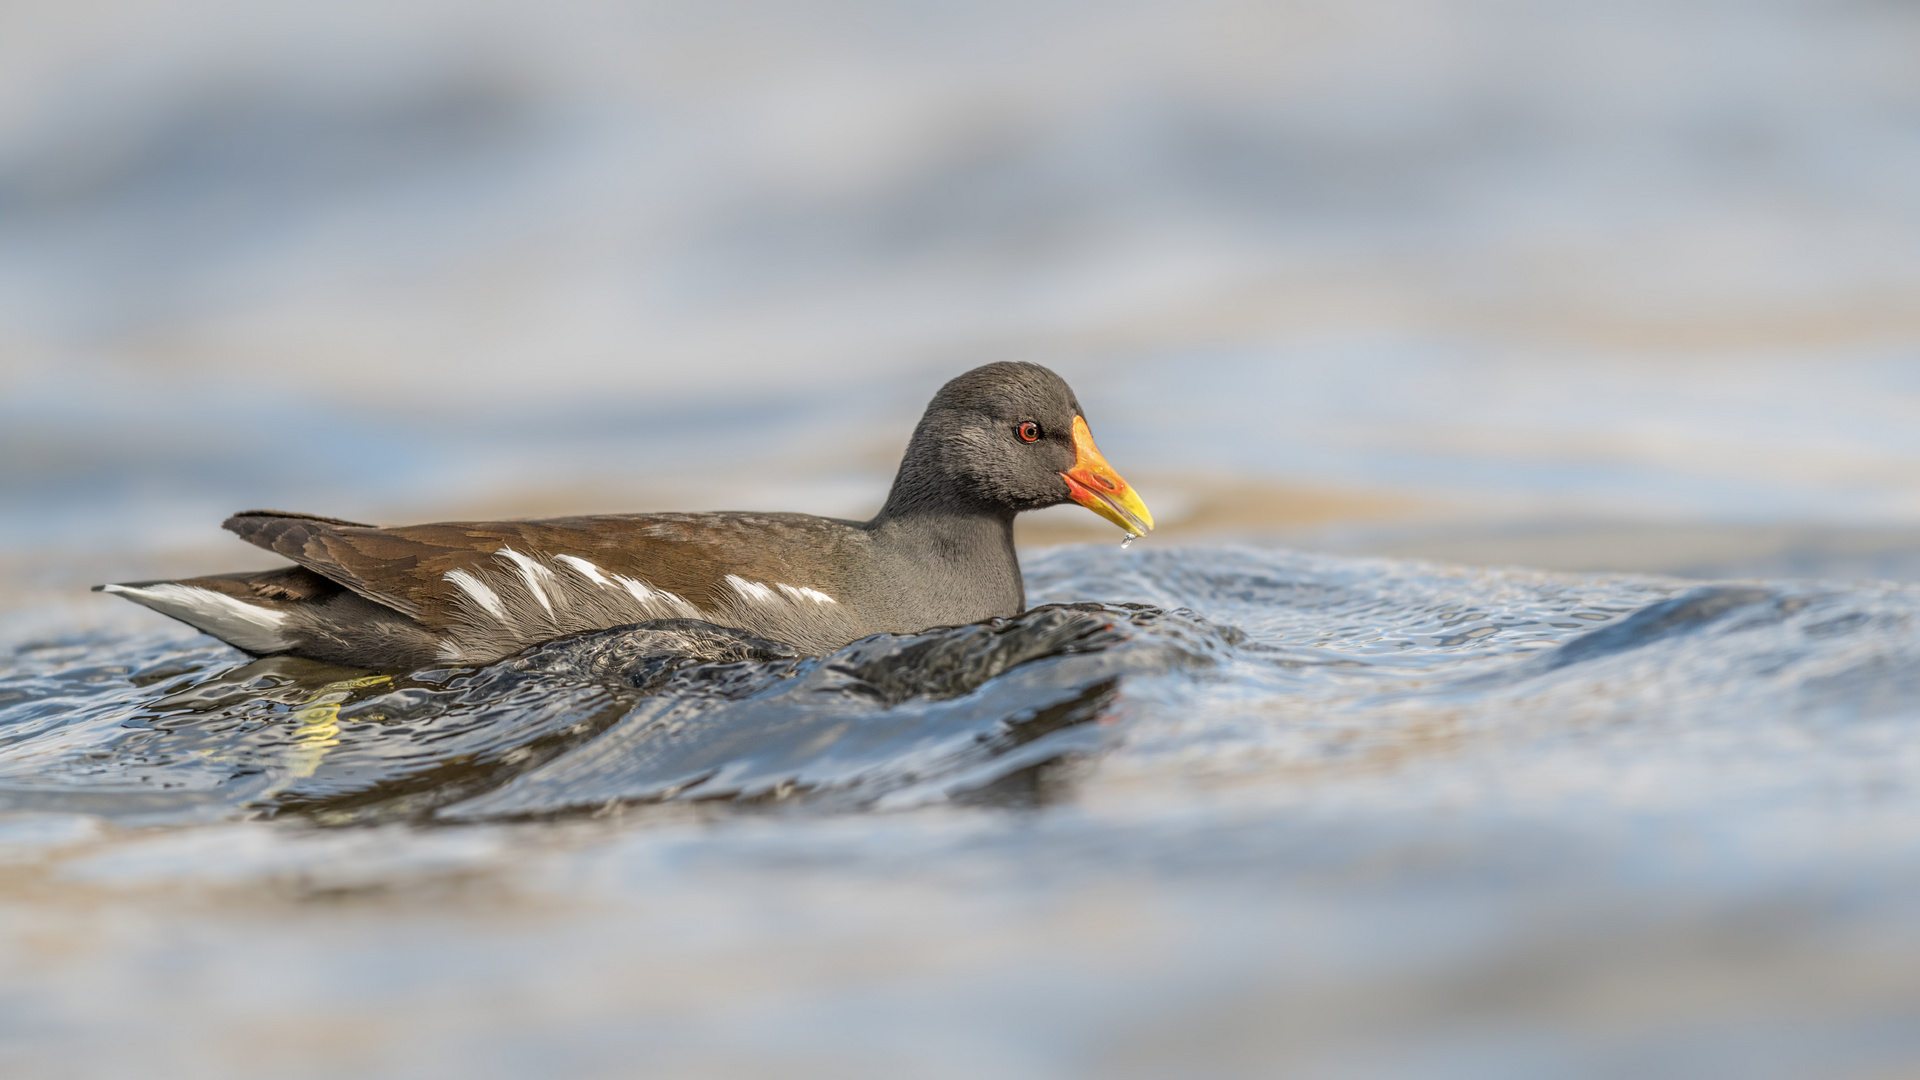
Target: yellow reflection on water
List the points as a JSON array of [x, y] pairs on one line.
[[319, 724]]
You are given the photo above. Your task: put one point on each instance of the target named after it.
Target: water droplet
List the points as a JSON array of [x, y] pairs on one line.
[[1130, 539]]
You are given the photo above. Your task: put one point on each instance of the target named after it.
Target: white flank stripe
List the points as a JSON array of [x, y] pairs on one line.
[[478, 590], [585, 569], [236, 622], [639, 589], [656, 599], [531, 572], [750, 590], [801, 592]]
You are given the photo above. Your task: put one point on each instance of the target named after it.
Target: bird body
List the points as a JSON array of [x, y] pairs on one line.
[[995, 441]]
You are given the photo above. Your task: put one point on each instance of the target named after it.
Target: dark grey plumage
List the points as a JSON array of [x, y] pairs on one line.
[[993, 442]]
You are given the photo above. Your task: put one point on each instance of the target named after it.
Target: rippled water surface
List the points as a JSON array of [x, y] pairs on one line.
[[1590, 285], [1202, 811]]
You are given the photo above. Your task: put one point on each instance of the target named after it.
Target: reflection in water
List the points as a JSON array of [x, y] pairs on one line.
[[1270, 777], [1640, 275], [698, 712]]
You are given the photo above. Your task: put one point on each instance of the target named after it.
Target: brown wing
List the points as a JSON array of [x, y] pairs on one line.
[[405, 567]]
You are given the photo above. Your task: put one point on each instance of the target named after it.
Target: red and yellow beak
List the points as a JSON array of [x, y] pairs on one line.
[[1094, 485]]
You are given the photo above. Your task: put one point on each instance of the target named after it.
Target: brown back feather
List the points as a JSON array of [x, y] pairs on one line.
[[405, 567]]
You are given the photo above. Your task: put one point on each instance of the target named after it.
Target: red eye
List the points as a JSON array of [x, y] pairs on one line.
[[1029, 431]]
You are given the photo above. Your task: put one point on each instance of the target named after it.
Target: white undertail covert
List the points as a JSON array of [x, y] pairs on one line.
[[248, 626]]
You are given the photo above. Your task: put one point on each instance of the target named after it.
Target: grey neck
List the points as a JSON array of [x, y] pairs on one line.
[[957, 562], [920, 489]]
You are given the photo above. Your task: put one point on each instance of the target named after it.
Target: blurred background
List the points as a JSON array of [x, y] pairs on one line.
[[1588, 285], [1619, 285]]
